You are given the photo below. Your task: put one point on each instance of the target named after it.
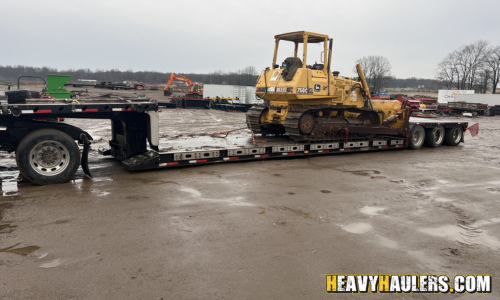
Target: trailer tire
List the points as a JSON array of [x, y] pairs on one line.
[[434, 137], [417, 137], [47, 156], [453, 136]]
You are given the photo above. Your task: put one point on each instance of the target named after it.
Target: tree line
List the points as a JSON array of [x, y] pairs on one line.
[[475, 66], [247, 76]]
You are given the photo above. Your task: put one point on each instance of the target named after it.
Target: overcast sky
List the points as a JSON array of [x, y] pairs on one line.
[[205, 36]]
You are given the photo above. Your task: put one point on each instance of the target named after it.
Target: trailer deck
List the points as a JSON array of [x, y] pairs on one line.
[[136, 142], [230, 149], [246, 149]]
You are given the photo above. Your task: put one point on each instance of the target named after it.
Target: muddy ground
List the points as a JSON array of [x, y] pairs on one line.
[[251, 230]]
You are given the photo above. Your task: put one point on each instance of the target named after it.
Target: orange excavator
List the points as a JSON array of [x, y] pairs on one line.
[[195, 90]]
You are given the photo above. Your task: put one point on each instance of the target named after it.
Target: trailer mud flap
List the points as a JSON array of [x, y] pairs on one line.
[[85, 155]]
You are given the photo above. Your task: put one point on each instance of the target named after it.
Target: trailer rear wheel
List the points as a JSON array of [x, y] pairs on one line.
[[47, 156], [434, 137], [417, 137], [453, 136]]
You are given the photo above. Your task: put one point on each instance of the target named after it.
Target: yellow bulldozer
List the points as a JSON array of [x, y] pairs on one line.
[[308, 102]]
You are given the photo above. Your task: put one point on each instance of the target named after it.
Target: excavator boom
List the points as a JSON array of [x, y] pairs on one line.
[[194, 88]]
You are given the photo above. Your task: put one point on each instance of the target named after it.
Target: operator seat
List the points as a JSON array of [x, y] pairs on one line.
[[290, 65]]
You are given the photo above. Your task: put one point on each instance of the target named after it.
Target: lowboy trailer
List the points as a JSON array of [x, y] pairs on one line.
[[46, 152]]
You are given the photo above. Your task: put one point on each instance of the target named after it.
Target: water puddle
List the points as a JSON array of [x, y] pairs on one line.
[[371, 210], [326, 191], [374, 174], [428, 262], [467, 235], [443, 200], [442, 181], [61, 222], [7, 227], [238, 200], [52, 264], [99, 193], [298, 212], [450, 232], [191, 191], [358, 228], [4, 205], [387, 242], [365, 172], [397, 181], [486, 222], [20, 251], [101, 179]]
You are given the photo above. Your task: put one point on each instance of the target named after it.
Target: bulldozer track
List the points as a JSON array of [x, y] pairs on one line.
[[292, 125], [253, 118], [253, 122]]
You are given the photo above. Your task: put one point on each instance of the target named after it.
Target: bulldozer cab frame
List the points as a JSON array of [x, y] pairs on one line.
[[298, 81], [305, 38]]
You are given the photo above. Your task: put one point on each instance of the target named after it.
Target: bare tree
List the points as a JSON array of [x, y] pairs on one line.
[[483, 81], [250, 70], [493, 65], [447, 71], [461, 68], [377, 71]]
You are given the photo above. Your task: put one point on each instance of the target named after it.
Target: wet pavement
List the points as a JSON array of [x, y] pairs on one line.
[[251, 230]]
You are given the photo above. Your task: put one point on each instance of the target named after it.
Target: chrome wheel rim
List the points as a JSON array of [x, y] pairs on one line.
[[456, 135], [417, 137], [438, 136], [49, 158]]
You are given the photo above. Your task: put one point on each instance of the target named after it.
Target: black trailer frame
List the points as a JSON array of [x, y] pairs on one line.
[[135, 138]]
